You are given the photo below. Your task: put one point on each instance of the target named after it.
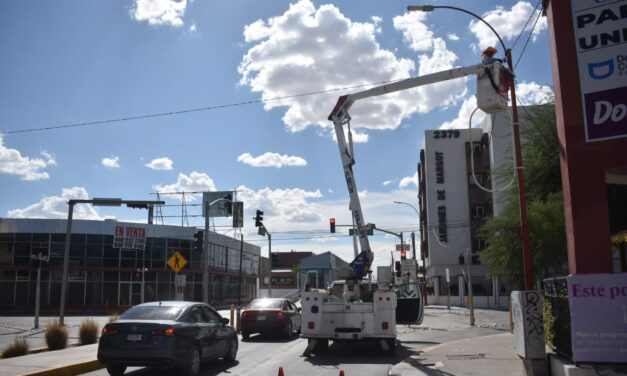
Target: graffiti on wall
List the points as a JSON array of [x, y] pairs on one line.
[[528, 324]]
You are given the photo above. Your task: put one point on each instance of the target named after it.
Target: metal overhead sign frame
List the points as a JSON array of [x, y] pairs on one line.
[[219, 202]]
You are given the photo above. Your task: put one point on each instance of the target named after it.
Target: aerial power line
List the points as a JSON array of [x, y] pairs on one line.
[[187, 111]]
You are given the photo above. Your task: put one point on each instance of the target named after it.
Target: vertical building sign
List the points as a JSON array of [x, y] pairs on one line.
[[601, 36]]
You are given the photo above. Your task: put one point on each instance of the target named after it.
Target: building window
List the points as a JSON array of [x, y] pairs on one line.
[[477, 149], [478, 245], [477, 211], [479, 179]]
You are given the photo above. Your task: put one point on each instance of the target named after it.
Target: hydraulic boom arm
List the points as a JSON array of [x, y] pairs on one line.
[[361, 265]]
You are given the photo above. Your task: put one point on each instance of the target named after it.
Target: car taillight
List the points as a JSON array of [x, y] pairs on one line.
[[311, 325], [280, 315], [385, 325], [163, 332], [245, 314], [107, 331]]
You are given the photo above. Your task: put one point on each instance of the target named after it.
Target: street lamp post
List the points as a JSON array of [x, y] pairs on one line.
[[471, 304], [68, 235], [524, 226], [39, 258]]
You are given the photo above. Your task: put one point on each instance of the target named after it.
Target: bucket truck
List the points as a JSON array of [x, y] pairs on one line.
[[360, 315]]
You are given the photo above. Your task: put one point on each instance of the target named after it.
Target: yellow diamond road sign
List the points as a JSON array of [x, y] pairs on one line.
[[176, 262]]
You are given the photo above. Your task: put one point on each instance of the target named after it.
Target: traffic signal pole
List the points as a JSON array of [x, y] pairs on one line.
[[270, 271], [205, 259]]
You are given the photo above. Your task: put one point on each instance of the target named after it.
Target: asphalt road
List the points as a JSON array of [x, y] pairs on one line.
[[264, 356]]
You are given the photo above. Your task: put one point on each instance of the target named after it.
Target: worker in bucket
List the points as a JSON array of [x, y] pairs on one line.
[[487, 56]]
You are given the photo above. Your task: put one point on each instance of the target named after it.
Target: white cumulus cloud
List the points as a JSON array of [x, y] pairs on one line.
[[409, 180], [289, 205], [315, 49], [530, 93], [194, 182], [163, 163], [113, 162], [463, 116], [453, 37], [13, 163], [388, 182], [415, 30], [56, 207], [160, 12], [508, 23], [271, 160]]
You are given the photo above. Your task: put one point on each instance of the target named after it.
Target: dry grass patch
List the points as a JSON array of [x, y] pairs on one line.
[[88, 332], [19, 347], [56, 336]]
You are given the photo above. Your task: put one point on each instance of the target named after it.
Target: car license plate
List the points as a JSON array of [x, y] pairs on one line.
[[261, 317], [134, 337]]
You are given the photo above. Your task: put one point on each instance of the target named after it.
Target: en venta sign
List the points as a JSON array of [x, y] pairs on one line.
[[129, 237]]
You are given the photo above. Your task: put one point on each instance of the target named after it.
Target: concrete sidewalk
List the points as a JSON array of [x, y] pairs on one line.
[[491, 355], [71, 361]]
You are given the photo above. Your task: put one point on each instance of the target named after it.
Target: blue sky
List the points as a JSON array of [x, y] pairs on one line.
[[74, 62]]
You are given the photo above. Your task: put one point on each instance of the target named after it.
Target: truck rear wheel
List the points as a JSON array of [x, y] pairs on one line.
[[323, 345]]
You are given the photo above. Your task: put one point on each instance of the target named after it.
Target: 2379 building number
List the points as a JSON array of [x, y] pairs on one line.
[[446, 134]]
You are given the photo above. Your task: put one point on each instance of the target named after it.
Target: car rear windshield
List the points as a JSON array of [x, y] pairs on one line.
[[265, 303], [151, 313]]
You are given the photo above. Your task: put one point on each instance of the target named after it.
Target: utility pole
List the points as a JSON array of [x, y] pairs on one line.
[[239, 284], [471, 305], [205, 259], [270, 272], [239, 278], [39, 258]]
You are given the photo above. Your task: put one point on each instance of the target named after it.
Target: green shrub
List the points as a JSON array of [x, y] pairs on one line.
[[88, 332], [56, 336], [19, 347]]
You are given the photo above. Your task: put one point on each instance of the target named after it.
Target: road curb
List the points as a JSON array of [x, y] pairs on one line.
[[70, 369]]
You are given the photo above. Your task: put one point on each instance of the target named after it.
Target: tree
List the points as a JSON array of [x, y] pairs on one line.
[[503, 254]]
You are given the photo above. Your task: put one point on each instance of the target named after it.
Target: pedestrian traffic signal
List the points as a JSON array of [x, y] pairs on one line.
[[332, 225], [397, 267], [199, 239], [259, 218], [403, 255]]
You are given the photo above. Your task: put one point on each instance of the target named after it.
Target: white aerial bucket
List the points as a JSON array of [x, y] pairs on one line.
[[489, 99]]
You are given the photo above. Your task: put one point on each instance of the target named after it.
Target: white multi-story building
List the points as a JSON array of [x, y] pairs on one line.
[[453, 205]]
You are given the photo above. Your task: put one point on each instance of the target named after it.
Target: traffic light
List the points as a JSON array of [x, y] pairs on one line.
[[397, 267], [259, 218], [275, 259], [332, 225], [403, 255], [199, 240]]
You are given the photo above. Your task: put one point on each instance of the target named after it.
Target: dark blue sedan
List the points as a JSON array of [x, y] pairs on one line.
[[167, 334]]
